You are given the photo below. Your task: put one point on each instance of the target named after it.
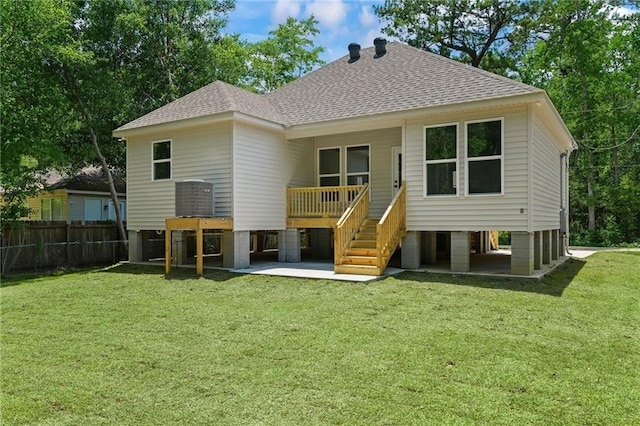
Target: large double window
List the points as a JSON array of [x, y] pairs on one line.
[[441, 160], [161, 160], [358, 165], [485, 157]]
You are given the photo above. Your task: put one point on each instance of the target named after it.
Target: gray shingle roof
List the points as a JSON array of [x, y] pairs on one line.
[[405, 78], [214, 98], [90, 179]]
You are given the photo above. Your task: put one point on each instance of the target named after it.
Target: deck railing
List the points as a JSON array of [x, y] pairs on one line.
[[349, 223], [325, 201], [391, 227]]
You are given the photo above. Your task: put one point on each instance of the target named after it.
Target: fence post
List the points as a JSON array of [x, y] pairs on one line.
[[68, 249]]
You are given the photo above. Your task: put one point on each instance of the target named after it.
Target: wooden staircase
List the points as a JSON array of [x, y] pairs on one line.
[[361, 256], [364, 245]]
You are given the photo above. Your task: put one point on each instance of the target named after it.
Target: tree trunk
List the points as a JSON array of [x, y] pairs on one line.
[[112, 188], [591, 207], [616, 165], [590, 169]]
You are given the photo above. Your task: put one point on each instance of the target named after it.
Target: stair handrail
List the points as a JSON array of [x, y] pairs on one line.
[[348, 224], [391, 227]]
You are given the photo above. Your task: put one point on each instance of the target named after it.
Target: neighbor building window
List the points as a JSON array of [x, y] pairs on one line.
[[162, 160], [329, 167], [358, 165], [441, 160], [51, 208], [485, 157]]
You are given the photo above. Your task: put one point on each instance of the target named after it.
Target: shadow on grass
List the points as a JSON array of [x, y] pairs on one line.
[[553, 284], [26, 277], [175, 275]]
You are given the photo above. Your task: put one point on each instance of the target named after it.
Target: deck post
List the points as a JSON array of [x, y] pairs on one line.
[[135, 246], [555, 244], [167, 250], [537, 250], [179, 247], [460, 251], [199, 250], [289, 246], [411, 250], [236, 249], [546, 247], [522, 253]]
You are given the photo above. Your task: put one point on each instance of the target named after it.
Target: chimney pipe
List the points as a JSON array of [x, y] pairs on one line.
[[354, 52], [381, 47]]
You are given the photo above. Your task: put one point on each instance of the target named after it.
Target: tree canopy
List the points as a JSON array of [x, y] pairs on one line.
[[483, 33], [585, 54], [74, 70]]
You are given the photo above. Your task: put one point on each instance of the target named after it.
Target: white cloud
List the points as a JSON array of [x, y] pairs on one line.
[[284, 9], [622, 11], [330, 14], [367, 18]]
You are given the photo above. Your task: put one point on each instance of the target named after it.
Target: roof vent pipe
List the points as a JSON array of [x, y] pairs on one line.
[[381, 47], [354, 52]]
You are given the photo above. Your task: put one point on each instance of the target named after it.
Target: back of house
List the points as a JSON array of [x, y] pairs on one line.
[[389, 146]]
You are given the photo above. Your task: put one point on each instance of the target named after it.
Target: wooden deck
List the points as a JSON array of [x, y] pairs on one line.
[[362, 245], [318, 207]]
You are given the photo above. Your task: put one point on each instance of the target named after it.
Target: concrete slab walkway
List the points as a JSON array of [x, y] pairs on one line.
[[309, 270]]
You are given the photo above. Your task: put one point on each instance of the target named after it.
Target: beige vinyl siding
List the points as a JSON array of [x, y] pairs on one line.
[[264, 165], [380, 157], [546, 178], [301, 160], [197, 153], [506, 212]]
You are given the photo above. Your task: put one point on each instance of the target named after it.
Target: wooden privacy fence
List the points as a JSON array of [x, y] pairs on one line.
[[41, 245]]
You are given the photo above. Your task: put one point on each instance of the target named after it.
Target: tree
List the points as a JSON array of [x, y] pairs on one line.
[[79, 69], [587, 61], [483, 33], [287, 54], [34, 110], [74, 70]]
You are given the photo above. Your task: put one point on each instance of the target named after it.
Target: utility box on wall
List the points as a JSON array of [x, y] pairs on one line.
[[194, 198]]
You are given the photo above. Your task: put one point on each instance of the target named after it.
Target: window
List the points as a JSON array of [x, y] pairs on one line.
[[51, 209], [93, 209], [358, 165], [162, 160], [440, 165], [484, 157], [329, 167]]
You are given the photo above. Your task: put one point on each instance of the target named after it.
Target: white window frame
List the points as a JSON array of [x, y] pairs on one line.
[[426, 162], [486, 158], [339, 174], [163, 160], [50, 200], [346, 163]]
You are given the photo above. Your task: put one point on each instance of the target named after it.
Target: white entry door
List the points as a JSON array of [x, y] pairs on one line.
[[396, 175]]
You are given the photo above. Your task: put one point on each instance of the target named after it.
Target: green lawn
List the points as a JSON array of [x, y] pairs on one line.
[[127, 346]]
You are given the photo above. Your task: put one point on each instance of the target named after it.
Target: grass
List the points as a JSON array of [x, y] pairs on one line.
[[124, 345]]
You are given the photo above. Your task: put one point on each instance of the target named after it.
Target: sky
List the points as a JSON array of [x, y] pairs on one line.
[[340, 21]]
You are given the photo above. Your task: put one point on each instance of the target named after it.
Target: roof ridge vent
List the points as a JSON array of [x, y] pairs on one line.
[[354, 52], [381, 47]]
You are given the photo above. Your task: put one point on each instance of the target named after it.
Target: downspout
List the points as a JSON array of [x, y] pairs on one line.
[[563, 210]]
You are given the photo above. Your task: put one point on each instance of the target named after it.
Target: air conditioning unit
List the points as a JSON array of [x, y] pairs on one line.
[[194, 198]]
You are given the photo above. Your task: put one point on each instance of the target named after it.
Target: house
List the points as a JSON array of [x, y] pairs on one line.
[[389, 145], [82, 197]]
